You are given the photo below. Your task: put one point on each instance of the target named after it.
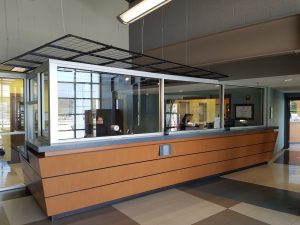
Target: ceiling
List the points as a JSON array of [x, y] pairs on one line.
[[286, 83]]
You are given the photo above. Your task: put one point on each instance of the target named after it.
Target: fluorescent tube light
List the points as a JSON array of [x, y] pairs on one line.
[[141, 9], [19, 69]]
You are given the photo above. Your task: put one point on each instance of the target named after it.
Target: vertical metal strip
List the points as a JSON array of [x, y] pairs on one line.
[[39, 105], [139, 103], [42, 106], [161, 105], [53, 102], [265, 107], [222, 105], [75, 102], [25, 99]]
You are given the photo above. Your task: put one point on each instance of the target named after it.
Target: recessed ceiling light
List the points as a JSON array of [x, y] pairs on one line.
[[18, 69], [288, 80]]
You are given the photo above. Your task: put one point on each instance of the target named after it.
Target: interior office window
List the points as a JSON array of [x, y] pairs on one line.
[[243, 106], [191, 106], [93, 104]]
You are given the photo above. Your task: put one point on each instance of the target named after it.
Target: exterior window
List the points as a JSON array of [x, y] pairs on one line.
[[92, 104], [33, 109], [243, 106], [45, 104], [191, 106]]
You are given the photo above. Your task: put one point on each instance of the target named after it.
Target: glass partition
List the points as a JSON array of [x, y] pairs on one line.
[[32, 108], [191, 106], [78, 101], [12, 126], [95, 104], [37, 107], [243, 106]]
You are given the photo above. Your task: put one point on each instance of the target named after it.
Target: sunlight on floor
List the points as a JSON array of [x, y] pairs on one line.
[[11, 176]]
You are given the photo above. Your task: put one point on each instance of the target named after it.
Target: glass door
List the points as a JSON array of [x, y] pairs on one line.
[[294, 122], [12, 135]]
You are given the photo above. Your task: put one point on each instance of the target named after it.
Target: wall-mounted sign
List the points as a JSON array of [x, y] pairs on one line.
[[244, 111]]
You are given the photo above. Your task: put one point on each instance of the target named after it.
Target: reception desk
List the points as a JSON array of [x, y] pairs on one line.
[[63, 178]]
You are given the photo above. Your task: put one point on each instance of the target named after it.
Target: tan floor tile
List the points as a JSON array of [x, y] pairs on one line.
[[12, 194], [286, 177], [168, 207], [11, 177], [3, 217], [222, 201], [294, 147], [22, 210], [266, 215], [101, 216], [229, 217]]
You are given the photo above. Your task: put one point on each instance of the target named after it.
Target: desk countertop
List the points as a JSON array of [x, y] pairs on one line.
[[40, 147]]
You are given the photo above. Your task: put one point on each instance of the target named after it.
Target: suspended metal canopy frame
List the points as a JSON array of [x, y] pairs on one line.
[[78, 49], [130, 1]]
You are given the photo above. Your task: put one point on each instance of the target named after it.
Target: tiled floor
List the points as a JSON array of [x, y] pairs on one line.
[[283, 174], [266, 215], [294, 147], [22, 210], [264, 195], [171, 207], [11, 176], [290, 156]]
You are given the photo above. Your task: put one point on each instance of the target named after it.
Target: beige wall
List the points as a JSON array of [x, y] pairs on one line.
[[265, 39], [194, 109], [182, 20]]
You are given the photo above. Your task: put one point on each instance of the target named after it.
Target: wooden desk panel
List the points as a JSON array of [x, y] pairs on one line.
[[85, 178], [73, 163], [81, 199], [89, 179]]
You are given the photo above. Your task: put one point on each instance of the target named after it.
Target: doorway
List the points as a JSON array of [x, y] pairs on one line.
[[294, 137], [292, 120], [12, 132]]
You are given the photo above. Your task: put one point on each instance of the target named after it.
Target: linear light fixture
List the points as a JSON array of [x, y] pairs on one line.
[[18, 69], [141, 9]]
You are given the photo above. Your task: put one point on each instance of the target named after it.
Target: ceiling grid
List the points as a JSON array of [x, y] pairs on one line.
[[78, 49]]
